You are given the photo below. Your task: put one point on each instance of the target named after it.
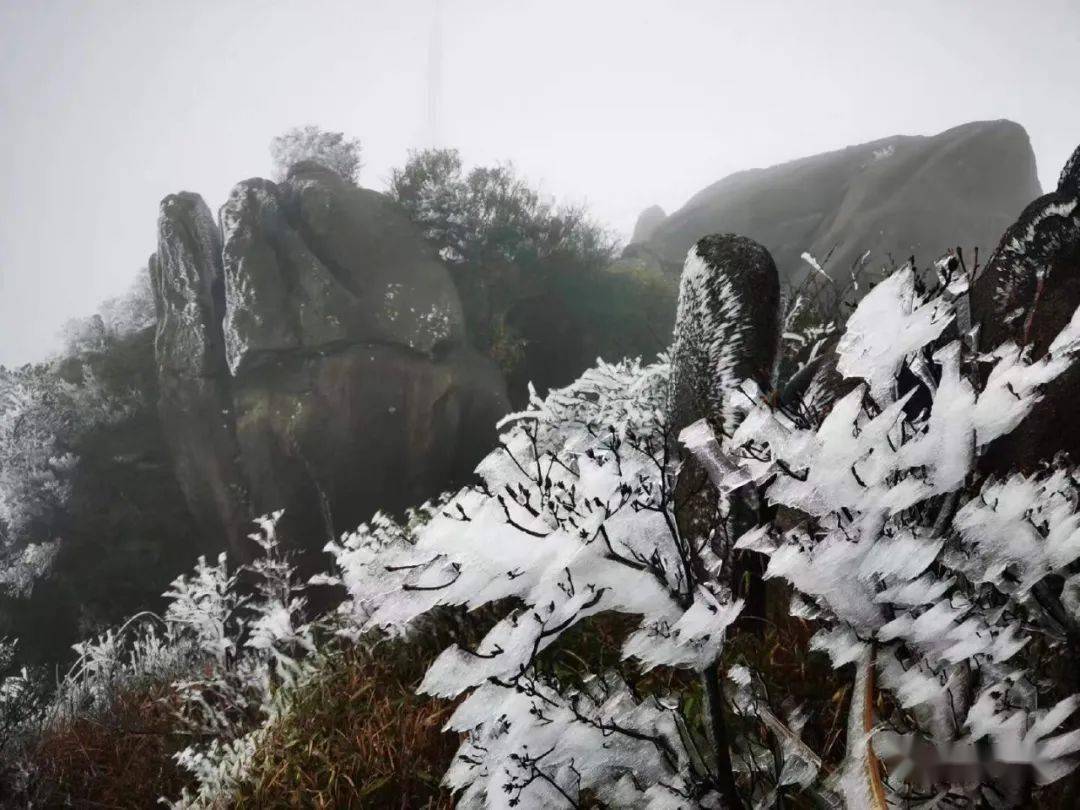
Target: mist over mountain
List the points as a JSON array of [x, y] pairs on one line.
[[894, 197]]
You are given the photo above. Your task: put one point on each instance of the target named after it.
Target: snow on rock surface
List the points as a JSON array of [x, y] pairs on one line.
[[1026, 293], [727, 327]]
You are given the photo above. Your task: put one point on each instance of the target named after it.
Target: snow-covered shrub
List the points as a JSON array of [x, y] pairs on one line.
[[944, 589], [230, 645], [41, 417], [330, 149], [21, 696], [575, 516], [250, 628], [816, 308], [890, 540], [933, 585]]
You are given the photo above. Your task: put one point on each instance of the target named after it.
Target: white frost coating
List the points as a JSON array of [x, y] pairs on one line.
[[1022, 736], [506, 729], [694, 641], [573, 518], [711, 320], [1013, 387], [1026, 525], [878, 554], [810, 260], [701, 441], [890, 322], [1019, 243], [929, 580]]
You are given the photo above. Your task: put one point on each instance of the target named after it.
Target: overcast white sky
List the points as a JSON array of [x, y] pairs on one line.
[[107, 106]]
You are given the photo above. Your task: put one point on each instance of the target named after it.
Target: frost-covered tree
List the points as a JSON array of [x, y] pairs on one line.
[[490, 215], [515, 254], [330, 149], [42, 414], [132, 310], [117, 317]]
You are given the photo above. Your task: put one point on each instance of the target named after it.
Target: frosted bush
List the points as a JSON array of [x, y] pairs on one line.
[[330, 149], [230, 645], [574, 517], [905, 564], [926, 584]]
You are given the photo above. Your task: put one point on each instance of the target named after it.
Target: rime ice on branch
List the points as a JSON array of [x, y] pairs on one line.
[[574, 517], [927, 585]]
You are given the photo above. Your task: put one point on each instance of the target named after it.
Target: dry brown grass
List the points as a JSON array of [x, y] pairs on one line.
[[358, 736], [121, 760], [794, 675]]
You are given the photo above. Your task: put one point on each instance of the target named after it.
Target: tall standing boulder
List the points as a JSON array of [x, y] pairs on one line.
[[727, 331], [353, 387], [195, 402], [317, 262], [727, 327]]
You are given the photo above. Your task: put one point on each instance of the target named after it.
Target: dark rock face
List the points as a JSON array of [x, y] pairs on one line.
[[370, 426], [193, 381], [727, 328], [1027, 291], [313, 358], [317, 262], [647, 222], [897, 196]]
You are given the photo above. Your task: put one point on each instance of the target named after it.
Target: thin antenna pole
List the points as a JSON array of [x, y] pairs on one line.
[[434, 94]]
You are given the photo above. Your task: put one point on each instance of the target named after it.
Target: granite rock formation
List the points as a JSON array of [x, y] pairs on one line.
[[895, 197], [727, 328], [317, 262], [647, 222], [311, 357], [727, 331], [194, 397]]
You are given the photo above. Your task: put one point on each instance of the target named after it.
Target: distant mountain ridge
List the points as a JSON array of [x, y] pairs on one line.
[[896, 196]]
